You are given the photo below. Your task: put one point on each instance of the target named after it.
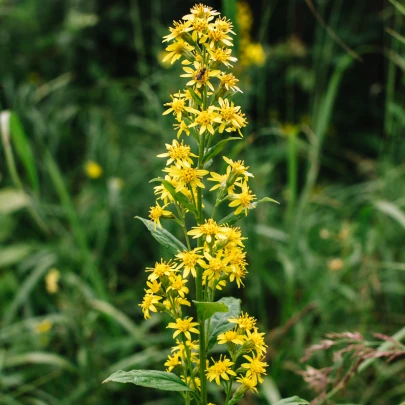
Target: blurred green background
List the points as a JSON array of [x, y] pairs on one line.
[[82, 93]]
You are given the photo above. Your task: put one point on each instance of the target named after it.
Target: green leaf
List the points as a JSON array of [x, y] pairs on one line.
[[292, 401], [195, 96], [219, 321], [217, 148], [151, 379], [12, 128], [164, 237], [179, 197], [232, 218], [207, 309]]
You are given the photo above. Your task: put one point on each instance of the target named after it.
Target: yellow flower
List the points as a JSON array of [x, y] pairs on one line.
[[201, 11], [214, 36], [177, 152], [93, 169], [189, 259], [224, 25], [216, 265], [231, 336], [161, 269], [178, 49], [172, 362], [220, 369], [234, 237], [255, 367], [238, 167], [237, 273], [148, 304], [253, 54], [177, 106], [184, 326], [248, 383], [44, 326], [208, 229], [178, 284], [157, 212], [199, 75], [179, 29], [230, 117], [154, 287], [243, 200], [186, 175], [52, 280], [258, 341], [229, 82], [181, 127], [244, 321], [205, 119]]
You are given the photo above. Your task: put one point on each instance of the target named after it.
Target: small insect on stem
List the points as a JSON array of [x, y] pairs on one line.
[[201, 73]]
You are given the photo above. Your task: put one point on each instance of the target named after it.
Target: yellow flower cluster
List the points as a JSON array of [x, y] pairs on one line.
[[250, 53], [214, 252]]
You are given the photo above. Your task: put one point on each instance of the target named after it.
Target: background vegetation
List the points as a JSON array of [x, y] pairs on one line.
[[323, 90]]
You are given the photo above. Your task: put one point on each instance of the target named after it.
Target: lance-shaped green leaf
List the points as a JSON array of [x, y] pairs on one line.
[[196, 97], [219, 321], [292, 401], [207, 309], [179, 197], [164, 237], [232, 218], [217, 148], [160, 380]]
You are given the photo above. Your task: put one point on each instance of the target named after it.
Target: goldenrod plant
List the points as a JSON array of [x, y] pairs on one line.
[[213, 252]]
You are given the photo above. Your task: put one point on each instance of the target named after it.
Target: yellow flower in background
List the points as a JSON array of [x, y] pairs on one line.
[[93, 169], [184, 326], [52, 281], [335, 264], [253, 54], [44, 326]]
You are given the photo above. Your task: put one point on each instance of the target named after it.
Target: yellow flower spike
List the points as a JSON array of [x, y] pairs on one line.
[[255, 367], [178, 284], [189, 260], [177, 152], [93, 169], [184, 326], [231, 336], [243, 201], [157, 212], [220, 369], [148, 304]]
